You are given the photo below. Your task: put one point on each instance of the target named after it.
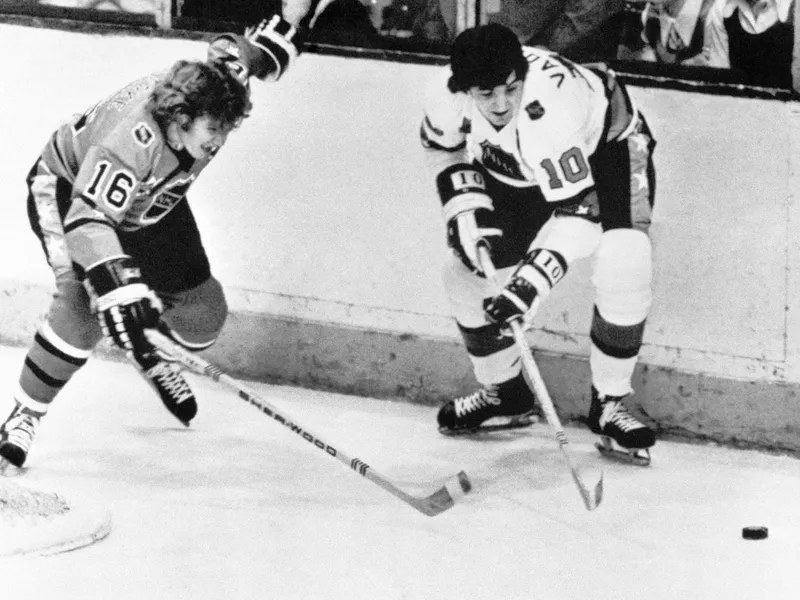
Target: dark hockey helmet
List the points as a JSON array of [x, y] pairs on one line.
[[485, 56]]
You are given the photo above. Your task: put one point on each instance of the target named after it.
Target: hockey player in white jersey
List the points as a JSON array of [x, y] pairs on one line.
[[544, 162]]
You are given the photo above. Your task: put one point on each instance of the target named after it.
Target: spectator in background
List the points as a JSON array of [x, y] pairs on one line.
[[754, 39], [687, 32], [338, 22], [581, 30], [436, 22], [760, 39]]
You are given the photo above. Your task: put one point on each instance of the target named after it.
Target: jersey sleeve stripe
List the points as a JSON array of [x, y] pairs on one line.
[[84, 222], [621, 114], [88, 201], [427, 123], [60, 155], [429, 143]]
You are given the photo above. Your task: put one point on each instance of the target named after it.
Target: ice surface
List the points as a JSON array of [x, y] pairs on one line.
[[240, 507]]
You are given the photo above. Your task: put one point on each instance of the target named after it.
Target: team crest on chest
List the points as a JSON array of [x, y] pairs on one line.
[[535, 110], [496, 159], [166, 198]]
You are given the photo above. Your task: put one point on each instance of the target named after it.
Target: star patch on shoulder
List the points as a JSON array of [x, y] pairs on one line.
[[535, 110]]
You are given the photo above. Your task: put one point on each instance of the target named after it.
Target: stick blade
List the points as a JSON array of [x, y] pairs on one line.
[[445, 497], [591, 498]]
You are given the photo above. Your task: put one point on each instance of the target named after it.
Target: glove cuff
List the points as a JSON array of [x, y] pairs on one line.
[[264, 52], [275, 37], [112, 273], [535, 277]]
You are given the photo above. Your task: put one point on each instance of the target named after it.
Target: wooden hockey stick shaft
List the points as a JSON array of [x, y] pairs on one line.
[[431, 505], [591, 497]]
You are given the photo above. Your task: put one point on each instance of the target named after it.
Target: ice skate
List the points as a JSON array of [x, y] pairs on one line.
[[622, 436], [508, 405], [16, 437], [167, 380]]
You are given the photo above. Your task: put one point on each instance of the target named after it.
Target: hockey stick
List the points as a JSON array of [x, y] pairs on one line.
[[437, 502], [591, 497]]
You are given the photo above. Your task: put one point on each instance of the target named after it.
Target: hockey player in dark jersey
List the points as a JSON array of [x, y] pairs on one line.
[[107, 200], [545, 162]]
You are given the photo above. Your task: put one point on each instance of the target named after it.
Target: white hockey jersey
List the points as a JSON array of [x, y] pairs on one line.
[[567, 112]]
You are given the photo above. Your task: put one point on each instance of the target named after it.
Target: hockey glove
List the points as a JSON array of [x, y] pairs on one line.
[[463, 193], [264, 52], [125, 305], [530, 282]]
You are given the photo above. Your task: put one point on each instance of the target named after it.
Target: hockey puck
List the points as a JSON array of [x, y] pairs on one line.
[[755, 533], [457, 489]]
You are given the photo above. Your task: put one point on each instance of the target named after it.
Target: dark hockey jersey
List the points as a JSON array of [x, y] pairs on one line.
[[123, 174]]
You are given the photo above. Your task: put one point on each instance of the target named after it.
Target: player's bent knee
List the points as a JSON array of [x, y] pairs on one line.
[[623, 276], [614, 340], [465, 291], [70, 317], [196, 317]]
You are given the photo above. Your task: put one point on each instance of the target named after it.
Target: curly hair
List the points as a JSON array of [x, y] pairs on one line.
[[192, 89]]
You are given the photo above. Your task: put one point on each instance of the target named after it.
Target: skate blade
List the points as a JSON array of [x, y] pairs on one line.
[[634, 456], [515, 422], [175, 411], [9, 470]]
